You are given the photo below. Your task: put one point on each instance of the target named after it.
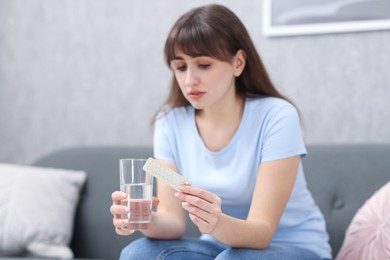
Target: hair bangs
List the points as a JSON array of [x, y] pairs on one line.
[[195, 39]]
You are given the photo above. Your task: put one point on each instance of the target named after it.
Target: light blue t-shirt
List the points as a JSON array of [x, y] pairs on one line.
[[269, 130]]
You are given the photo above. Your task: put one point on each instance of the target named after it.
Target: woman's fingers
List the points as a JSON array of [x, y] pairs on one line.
[[117, 197], [204, 207], [155, 202], [206, 227], [121, 225], [123, 231], [118, 210], [200, 198], [205, 220], [198, 192]]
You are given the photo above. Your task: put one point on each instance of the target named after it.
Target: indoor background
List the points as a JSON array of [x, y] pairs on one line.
[[91, 72]]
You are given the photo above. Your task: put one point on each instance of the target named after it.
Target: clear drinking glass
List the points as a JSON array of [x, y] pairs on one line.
[[138, 185]]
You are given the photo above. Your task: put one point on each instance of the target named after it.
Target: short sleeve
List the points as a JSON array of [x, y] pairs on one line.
[[162, 139], [282, 134]]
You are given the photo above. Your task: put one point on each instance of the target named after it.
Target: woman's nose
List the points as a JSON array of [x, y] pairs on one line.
[[191, 78]]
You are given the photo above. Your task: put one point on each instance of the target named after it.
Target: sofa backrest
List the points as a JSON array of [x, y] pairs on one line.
[[340, 177]]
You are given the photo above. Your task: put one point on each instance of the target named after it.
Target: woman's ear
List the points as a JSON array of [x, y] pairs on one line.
[[239, 62]]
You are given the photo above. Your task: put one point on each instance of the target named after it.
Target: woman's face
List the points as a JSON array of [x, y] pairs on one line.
[[205, 81]]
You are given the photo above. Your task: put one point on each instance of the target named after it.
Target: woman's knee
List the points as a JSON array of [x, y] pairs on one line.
[[138, 249], [145, 248], [273, 252]]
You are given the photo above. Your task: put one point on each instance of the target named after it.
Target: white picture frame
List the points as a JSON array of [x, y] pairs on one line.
[[304, 17]]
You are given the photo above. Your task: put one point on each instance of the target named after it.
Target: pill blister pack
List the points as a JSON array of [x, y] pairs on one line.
[[164, 174]]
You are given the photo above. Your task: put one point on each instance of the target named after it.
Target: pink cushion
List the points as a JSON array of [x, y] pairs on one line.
[[368, 235]]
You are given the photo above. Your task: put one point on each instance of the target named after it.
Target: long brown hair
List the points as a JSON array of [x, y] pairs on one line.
[[215, 31]]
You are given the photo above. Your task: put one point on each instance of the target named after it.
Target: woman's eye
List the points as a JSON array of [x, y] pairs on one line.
[[181, 68], [204, 66]]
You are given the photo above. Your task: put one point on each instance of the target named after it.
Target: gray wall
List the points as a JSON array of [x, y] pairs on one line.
[[91, 72]]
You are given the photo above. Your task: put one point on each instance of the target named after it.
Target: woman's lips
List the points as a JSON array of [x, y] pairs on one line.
[[196, 94]]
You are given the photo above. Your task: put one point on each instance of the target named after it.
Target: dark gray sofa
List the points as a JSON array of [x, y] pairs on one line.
[[341, 178]]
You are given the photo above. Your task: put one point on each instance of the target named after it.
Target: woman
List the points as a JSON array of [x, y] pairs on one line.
[[238, 141]]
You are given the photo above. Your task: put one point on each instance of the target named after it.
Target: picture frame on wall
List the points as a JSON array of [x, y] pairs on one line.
[[305, 17]]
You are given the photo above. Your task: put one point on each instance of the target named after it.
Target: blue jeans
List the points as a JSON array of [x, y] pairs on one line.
[[196, 249]]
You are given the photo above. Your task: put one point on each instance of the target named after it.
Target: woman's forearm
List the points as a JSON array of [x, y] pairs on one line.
[[163, 226], [242, 233]]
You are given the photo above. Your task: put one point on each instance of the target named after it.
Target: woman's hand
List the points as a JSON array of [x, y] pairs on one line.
[[117, 210], [204, 207]]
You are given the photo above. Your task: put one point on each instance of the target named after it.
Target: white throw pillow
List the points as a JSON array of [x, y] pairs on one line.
[[37, 209]]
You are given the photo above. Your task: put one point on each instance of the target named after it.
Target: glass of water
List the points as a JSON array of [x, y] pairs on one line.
[[138, 185]]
